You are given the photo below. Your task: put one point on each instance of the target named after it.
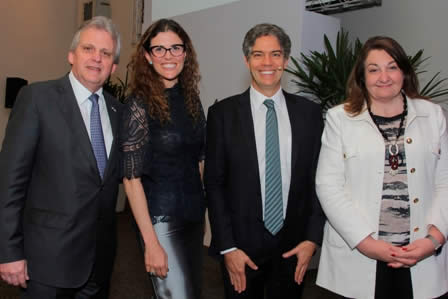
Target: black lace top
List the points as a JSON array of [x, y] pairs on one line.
[[165, 157]]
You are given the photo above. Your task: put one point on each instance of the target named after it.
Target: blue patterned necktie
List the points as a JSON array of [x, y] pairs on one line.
[[273, 205], [96, 135]]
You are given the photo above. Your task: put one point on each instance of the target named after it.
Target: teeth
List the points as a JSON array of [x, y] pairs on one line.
[[267, 72], [169, 66]]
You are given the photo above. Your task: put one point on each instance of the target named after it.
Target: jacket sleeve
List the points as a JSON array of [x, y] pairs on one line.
[[317, 218], [16, 163], [336, 202], [439, 211], [215, 178]]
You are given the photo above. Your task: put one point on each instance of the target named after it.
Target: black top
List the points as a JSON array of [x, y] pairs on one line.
[[166, 157]]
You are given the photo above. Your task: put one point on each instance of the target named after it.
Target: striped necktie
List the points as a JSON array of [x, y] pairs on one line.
[[96, 135], [273, 206]]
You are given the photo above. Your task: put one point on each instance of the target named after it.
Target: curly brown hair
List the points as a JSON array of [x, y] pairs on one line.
[[357, 93], [148, 85]]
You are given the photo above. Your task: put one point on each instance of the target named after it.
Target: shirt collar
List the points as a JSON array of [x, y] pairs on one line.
[[81, 93], [257, 98]]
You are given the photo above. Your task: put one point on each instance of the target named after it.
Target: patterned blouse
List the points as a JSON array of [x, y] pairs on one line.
[[394, 224]]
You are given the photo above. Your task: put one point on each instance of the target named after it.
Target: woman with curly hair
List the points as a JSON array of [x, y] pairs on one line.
[[163, 139]]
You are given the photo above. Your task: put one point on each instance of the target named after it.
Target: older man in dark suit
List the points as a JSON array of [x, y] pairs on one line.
[[262, 151], [59, 176]]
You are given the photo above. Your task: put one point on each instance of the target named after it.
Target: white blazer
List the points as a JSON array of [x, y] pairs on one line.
[[349, 184]]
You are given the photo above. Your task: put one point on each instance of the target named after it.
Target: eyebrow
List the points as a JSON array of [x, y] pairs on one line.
[[93, 46], [260, 51], [166, 47], [375, 64]]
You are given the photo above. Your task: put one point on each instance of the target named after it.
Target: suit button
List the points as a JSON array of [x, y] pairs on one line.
[[409, 140], [416, 229], [412, 170], [415, 200]]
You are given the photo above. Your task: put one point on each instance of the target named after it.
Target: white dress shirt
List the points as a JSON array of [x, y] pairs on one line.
[[82, 95], [284, 133]]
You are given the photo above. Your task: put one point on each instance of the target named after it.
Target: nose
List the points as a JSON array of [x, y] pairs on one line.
[[384, 76], [267, 60], [168, 54], [96, 56]]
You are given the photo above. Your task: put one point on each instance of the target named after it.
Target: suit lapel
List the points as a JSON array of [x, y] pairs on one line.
[[114, 118], [70, 110], [296, 129], [248, 134]]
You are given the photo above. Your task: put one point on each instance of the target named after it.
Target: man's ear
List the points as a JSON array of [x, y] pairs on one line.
[[114, 67], [70, 57]]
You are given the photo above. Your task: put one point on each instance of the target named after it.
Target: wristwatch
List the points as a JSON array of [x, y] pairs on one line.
[[436, 243]]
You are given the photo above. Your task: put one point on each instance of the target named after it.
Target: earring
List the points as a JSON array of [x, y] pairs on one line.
[[150, 62]]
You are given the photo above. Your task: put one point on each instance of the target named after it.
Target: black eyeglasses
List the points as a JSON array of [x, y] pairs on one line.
[[160, 51]]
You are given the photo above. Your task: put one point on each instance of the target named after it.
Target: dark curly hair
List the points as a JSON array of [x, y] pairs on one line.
[[148, 85], [357, 93]]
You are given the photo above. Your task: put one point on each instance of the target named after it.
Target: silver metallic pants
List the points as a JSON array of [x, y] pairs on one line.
[[183, 243]]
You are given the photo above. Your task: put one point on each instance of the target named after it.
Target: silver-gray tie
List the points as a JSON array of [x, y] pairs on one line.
[[273, 208]]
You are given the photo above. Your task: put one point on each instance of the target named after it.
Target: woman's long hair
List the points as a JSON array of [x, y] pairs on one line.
[[148, 85]]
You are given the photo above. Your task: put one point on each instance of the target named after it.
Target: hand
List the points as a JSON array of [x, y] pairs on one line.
[[236, 262], [156, 260], [378, 249], [304, 251], [413, 253], [15, 273]]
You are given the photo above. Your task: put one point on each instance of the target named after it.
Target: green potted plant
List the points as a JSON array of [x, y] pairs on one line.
[[118, 88], [322, 76]]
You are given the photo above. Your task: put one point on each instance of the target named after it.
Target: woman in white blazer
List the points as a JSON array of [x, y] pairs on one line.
[[382, 180]]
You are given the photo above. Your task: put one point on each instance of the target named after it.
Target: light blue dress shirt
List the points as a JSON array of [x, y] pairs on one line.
[[85, 106]]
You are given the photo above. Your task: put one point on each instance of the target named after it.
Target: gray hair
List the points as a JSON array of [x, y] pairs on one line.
[[101, 23], [266, 29]]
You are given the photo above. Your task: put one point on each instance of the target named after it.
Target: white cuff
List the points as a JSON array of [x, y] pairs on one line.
[[228, 250]]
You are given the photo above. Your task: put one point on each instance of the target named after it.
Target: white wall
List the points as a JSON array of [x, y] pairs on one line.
[[171, 8], [218, 33], [415, 24], [314, 27]]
